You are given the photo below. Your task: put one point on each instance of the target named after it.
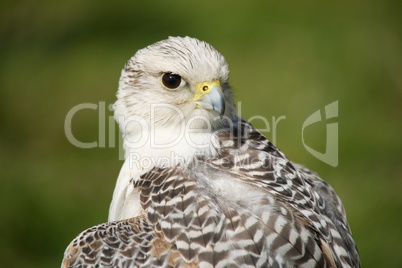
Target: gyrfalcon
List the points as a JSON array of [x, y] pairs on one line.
[[200, 186]]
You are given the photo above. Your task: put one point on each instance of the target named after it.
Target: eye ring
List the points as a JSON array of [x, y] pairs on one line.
[[172, 81]]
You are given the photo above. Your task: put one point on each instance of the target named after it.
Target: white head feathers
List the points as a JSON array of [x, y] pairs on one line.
[[140, 88]]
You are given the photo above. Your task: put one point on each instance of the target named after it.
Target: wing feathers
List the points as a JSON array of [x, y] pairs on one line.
[[187, 221]]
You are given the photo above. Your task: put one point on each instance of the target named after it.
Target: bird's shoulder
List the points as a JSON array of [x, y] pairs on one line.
[[194, 216]]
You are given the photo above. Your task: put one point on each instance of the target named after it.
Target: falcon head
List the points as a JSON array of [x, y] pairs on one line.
[[174, 81]]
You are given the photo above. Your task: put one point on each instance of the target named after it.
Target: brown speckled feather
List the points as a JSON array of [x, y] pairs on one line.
[[298, 220]]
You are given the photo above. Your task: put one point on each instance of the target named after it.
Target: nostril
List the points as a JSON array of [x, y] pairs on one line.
[[205, 88]]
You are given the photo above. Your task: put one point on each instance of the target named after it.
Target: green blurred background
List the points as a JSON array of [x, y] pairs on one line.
[[286, 59]]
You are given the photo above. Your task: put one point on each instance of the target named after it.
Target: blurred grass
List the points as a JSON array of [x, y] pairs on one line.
[[285, 59]]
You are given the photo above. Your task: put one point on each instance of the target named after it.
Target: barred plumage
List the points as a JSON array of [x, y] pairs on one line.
[[238, 203]]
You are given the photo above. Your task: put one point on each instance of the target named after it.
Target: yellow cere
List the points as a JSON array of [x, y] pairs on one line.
[[205, 87]]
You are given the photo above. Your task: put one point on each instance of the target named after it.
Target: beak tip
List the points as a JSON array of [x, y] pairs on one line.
[[220, 110]]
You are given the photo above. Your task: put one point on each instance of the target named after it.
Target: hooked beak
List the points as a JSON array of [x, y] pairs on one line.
[[209, 95]]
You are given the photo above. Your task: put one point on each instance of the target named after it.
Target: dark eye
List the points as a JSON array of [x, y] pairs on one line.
[[171, 81]]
